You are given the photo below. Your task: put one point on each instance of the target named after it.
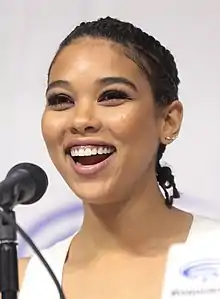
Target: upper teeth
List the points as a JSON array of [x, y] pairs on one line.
[[90, 151]]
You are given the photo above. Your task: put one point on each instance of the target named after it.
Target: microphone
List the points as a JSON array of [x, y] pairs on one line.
[[25, 184]]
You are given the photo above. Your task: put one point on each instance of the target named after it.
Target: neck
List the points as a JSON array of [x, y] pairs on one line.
[[138, 224]]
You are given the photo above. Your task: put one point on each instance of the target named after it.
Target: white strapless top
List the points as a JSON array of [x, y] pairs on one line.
[[37, 283]]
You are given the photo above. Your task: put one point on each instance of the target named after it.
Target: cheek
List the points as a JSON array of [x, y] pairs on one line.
[[135, 132], [52, 129], [133, 124]]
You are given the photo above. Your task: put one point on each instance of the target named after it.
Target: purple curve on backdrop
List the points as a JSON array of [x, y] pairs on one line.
[[47, 220]]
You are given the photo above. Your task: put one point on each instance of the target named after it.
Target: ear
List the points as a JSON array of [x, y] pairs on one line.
[[171, 122]]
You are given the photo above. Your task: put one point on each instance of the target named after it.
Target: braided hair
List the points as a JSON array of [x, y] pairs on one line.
[[154, 59]]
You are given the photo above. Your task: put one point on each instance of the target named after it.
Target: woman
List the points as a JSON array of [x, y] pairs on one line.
[[112, 108]]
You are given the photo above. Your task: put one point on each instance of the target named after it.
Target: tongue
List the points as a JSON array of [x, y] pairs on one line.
[[91, 160]]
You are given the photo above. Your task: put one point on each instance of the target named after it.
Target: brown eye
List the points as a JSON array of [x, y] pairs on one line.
[[114, 97], [60, 102]]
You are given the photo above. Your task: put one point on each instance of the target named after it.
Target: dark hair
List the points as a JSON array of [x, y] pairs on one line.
[[154, 59]]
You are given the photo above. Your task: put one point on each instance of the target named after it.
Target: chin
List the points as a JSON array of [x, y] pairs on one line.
[[93, 193], [96, 184]]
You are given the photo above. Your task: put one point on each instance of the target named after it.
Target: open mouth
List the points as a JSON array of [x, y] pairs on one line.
[[91, 155]]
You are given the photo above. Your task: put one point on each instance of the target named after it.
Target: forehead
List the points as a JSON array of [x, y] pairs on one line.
[[94, 58]]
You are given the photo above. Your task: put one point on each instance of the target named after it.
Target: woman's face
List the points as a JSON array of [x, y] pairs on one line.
[[100, 125]]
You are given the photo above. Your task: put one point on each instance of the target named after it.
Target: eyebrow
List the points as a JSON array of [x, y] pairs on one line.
[[103, 81], [114, 80], [57, 83]]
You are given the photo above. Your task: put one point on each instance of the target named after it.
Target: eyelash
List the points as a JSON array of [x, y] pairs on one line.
[[115, 96], [60, 101], [63, 102]]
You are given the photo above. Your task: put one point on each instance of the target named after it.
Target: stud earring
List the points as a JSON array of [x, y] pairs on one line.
[[170, 138]]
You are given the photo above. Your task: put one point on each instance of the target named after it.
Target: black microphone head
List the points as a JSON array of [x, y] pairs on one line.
[[37, 174]]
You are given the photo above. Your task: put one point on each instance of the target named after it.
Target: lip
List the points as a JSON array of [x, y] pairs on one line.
[[89, 170], [85, 142]]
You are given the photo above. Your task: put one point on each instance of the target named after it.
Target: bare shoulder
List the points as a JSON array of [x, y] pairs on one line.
[[22, 265]]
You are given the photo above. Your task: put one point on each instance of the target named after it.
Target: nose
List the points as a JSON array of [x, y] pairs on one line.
[[85, 120]]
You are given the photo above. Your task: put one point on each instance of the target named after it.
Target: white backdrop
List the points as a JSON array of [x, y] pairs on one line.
[[30, 33]]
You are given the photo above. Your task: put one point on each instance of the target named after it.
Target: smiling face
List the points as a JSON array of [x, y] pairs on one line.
[[100, 104]]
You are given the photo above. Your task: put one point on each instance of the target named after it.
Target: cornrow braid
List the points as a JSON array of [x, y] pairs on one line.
[[165, 178], [156, 62]]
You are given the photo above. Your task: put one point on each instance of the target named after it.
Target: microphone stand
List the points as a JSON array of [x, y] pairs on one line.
[[9, 285]]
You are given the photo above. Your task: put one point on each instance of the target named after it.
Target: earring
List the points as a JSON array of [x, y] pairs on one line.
[[170, 138]]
